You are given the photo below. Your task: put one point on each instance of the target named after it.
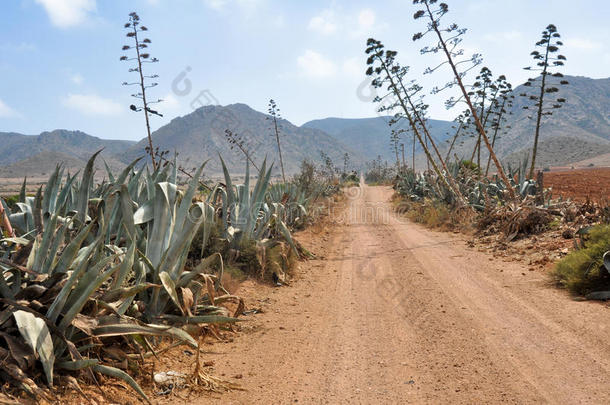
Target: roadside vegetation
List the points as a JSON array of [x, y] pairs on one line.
[[476, 190]]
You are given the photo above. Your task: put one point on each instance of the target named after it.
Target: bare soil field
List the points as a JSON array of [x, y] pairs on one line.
[[391, 312], [580, 184]]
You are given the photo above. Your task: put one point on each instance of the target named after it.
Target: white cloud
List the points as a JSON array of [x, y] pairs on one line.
[[77, 79], [355, 24], [324, 23], [583, 44], [170, 103], [7, 112], [68, 13], [92, 104], [366, 18], [315, 65]]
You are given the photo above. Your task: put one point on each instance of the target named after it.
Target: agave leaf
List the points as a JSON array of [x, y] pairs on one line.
[[123, 176], [120, 374], [127, 212], [127, 292], [65, 193], [85, 185], [17, 240], [126, 265], [121, 328], [229, 189], [198, 319], [145, 213], [37, 210], [69, 253], [75, 365], [185, 204], [47, 237], [50, 191], [170, 287], [58, 240], [83, 294], [60, 301], [109, 172], [204, 265], [157, 239], [171, 260], [36, 334], [22, 192], [140, 275]]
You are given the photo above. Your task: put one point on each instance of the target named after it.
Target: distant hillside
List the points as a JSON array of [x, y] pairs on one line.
[[371, 136], [579, 130], [39, 152], [201, 135]]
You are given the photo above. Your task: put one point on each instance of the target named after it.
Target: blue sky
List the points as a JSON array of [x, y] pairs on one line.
[[59, 59]]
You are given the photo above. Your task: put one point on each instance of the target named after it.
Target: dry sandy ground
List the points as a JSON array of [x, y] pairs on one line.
[[396, 313]]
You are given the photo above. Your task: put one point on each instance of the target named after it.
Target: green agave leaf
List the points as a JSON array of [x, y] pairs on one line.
[[75, 365], [158, 238], [37, 336], [22, 192], [120, 374], [109, 172], [126, 265], [123, 176], [69, 253], [145, 213], [47, 237], [122, 328], [170, 261], [127, 212], [204, 265], [212, 319], [60, 301], [84, 290], [170, 287], [65, 193], [85, 185], [127, 292]]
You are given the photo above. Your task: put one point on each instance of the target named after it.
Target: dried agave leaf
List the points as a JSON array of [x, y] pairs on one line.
[[187, 300], [23, 356]]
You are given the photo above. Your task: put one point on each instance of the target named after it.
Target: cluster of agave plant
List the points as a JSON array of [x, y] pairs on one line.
[[93, 265], [480, 192]]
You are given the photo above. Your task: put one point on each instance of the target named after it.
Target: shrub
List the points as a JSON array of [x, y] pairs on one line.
[[583, 271]]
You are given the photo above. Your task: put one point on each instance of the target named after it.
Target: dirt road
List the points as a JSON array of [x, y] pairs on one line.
[[396, 313]]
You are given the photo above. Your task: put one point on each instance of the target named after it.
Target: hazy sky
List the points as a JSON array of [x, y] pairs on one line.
[[59, 59]]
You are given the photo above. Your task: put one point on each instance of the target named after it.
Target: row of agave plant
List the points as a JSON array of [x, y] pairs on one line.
[[91, 265], [479, 192]]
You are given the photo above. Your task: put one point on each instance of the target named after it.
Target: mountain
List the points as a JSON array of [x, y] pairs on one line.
[[200, 136], [39, 152], [371, 136], [577, 131]]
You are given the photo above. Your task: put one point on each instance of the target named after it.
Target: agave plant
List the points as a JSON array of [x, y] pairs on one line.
[[246, 215], [92, 263]]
